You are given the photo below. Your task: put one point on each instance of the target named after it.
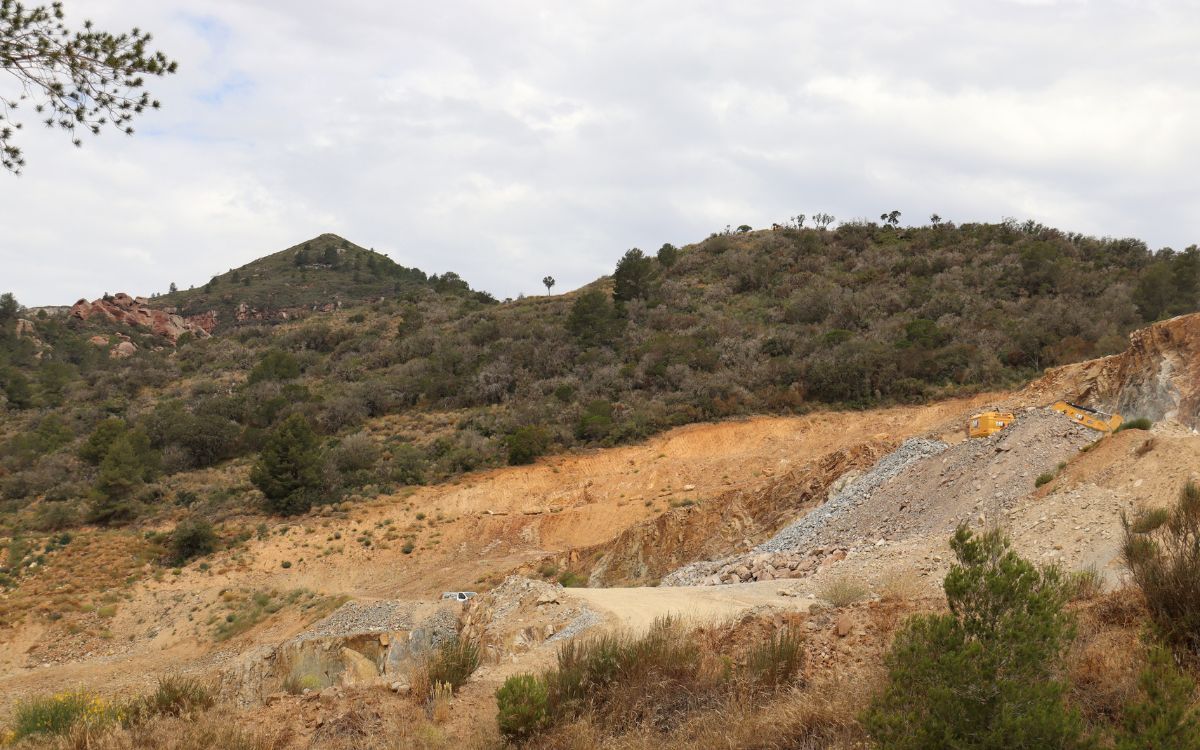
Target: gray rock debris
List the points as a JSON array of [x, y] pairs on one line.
[[364, 617], [802, 532]]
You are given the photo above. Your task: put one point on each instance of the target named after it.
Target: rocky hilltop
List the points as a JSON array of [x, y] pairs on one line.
[[136, 312]]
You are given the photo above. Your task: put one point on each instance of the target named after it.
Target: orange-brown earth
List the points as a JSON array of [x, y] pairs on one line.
[[624, 515]]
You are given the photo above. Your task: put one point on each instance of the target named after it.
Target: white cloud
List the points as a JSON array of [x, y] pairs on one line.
[[508, 141]]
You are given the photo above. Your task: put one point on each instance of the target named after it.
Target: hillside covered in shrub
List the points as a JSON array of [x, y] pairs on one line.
[[430, 379]]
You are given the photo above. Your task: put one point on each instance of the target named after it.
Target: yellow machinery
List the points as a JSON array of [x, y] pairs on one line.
[[1097, 420], [988, 423]]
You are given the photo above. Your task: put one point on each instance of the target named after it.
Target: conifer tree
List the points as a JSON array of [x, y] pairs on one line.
[[288, 470], [81, 80]]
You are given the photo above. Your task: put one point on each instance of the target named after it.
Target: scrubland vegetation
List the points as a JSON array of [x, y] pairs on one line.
[[1019, 656]]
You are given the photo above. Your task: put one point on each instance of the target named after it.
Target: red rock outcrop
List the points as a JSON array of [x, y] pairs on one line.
[[121, 308], [205, 320], [1157, 377]]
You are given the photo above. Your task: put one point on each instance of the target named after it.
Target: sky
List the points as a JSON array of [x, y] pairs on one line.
[[507, 141]]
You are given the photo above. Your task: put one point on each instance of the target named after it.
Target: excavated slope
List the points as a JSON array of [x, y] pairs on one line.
[[1157, 377]]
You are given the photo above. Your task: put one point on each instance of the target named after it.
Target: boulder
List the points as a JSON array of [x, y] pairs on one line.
[[844, 625], [123, 350], [359, 670]]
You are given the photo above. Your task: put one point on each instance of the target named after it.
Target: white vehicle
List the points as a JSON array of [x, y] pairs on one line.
[[458, 596]]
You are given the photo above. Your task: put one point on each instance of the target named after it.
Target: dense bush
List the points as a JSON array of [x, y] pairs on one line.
[[650, 682], [59, 713], [175, 695], [1162, 551], [288, 470], [192, 537], [1163, 718], [275, 365], [525, 444], [453, 662], [985, 675], [522, 701]]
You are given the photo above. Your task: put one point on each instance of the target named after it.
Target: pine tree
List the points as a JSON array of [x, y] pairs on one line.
[[77, 80], [1163, 720], [634, 276], [128, 464], [288, 470], [984, 676]]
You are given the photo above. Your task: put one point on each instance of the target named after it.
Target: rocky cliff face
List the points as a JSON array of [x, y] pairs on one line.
[[1157, 377], [121, 308]]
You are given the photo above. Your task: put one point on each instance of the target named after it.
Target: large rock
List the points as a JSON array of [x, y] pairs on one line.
[[123, 350], [358, 669], [123, 309]]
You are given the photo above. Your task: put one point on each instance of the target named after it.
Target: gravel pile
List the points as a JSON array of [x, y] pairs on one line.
[[923, 488], [586, 619], [364, 617], [803, 532]]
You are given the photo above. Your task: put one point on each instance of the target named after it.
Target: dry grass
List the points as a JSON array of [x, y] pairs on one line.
[[213, 729], [1085, 583], [820, 717], [843, 590], [1103, 668], [899, 586]]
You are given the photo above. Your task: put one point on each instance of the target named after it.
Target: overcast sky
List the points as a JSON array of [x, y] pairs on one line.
[[511, 140]]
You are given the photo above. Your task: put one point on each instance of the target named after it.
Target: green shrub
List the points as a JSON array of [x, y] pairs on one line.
[[522, 703], [593, 320], [985, 675], [407, 465], [572, 580], [174, 696], [101, 439], [58, 714], [1164, 718], [596, 421], [1141, 423], [525, 444], [453, 662], [1043, 478], [1162, 552], [55, 516], [275, 365], [192, 537]]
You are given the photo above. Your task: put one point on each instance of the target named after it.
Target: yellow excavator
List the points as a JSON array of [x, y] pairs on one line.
[[988, 423], [1093, 418]]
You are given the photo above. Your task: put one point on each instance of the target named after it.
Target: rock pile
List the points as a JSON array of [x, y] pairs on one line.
[[771, 567], [522, 613], [856, 493], [924, 487], [765, 560]]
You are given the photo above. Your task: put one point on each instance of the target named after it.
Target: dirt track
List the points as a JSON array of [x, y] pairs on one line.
[[637, 608]]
